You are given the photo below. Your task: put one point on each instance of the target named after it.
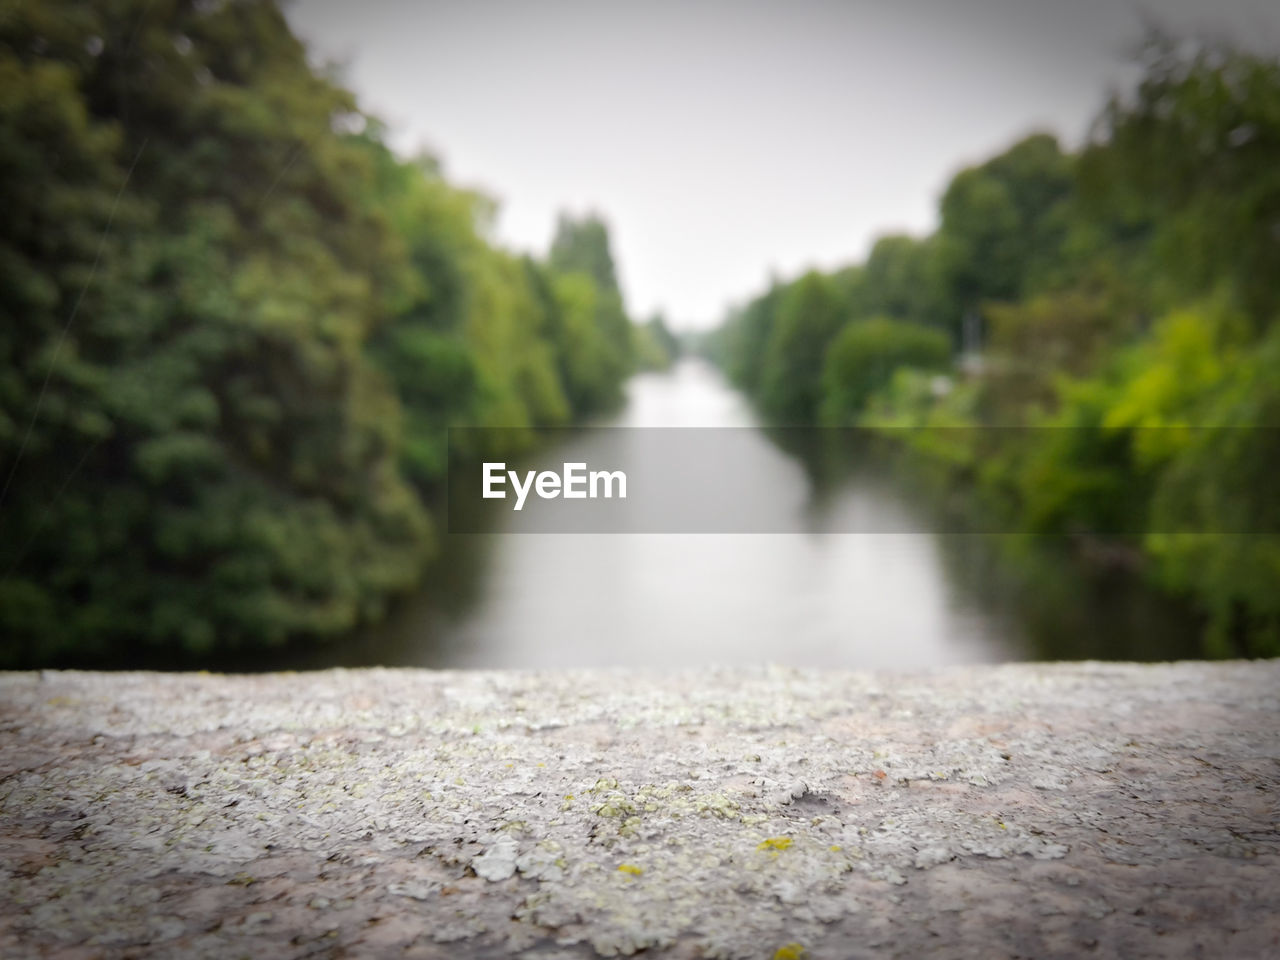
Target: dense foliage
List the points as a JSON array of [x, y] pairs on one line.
[[863, 358], [653, 345], [1121, 304], [234, 329]]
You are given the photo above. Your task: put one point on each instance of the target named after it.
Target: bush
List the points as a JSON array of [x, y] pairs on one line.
[[863, 358]]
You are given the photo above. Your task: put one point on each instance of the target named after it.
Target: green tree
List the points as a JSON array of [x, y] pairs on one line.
[[864, 357], [809, 315], [233, 326], [581, 247], [749, 332], [654, 346], [1130, 302], [1003, 224], [902, 280], [228, 454]]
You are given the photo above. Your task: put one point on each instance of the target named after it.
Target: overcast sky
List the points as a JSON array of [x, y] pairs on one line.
[[726, 140]]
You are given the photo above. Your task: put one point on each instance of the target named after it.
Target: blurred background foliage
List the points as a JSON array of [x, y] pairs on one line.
[[234, 329], [1123, 300]]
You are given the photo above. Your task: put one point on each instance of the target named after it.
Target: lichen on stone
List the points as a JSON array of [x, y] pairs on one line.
[[716, 813]]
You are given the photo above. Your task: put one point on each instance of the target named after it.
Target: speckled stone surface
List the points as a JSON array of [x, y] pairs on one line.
[[1028, 811]]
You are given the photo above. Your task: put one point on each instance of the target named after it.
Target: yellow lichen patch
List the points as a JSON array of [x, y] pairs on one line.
[[615, 805], [774, 843], [835, 848], [716, 804], [630, 868], [791, 951]]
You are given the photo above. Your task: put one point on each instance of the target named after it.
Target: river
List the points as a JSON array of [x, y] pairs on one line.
[[883, 600]]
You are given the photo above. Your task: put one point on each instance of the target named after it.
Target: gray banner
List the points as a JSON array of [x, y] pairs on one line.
[[733, 480]]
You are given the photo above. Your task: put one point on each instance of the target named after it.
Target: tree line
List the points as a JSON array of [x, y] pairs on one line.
[[234, 330], [1119, 302]]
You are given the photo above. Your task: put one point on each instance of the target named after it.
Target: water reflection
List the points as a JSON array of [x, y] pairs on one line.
[[889, 600]]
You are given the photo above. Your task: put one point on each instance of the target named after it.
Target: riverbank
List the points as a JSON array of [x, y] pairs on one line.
[[1029, 810]]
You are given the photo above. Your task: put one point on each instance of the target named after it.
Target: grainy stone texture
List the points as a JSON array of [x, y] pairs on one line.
[[1029, 811]]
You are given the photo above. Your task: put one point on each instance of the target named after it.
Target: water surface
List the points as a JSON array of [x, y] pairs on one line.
[[884, 600]]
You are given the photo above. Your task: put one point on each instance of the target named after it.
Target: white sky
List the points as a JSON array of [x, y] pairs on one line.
[[726, 139]]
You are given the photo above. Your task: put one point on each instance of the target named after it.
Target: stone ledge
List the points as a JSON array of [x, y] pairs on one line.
[[1028, 810]]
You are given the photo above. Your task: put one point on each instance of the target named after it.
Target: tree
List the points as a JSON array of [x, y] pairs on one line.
[[810, 313], [654, 346], [750, 330], [864, 357], [229, 456], [1194, 153], [233, 327], [581, 247], [1003, 224], [901, 280]]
